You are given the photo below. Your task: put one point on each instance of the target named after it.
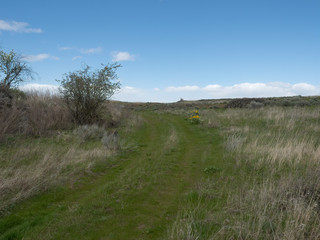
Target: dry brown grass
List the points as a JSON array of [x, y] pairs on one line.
[[10, 119], [183, 227], [272, 136], [284, 209], [277, 151], [35, 115], [32, 167], [45, 113]]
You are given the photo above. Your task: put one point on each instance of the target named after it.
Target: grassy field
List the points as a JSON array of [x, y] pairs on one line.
[[243, 173]]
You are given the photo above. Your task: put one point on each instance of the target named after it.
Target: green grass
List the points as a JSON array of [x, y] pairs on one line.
[[136, 195], [228, 177]]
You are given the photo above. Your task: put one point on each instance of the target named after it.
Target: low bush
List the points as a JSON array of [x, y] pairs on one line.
[[111, 141], [255, 105], [89, 132]]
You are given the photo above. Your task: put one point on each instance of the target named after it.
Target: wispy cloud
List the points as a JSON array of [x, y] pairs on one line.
[[122, 56], [21, 27], [86, 51], [130, 90], [76, 58], [91, 50], [216, 91], [39, 57]]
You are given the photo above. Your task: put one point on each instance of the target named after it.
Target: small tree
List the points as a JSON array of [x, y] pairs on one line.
[[84, 91], [13, 70]]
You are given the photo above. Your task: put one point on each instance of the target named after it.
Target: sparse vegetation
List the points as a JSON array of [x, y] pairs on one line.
[[247, 172]]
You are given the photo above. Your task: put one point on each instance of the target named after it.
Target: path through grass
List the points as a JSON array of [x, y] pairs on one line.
[[138, 195]]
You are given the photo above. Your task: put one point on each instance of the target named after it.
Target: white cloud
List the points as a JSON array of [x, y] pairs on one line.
[[14, 26], [214, 87], [261, 90], [129, 90], [304, 87], [39, 57], [122, 56], [40, 88], [76, 58], [133, 94], [91, 50], [215, 91]]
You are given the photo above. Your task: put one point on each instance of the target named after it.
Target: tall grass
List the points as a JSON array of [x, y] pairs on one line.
[[44, 113], [283, 209], [37, 114], [274, 192], [281, 192]]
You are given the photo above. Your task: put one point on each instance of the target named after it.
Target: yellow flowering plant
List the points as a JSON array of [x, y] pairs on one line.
[[195, 117]]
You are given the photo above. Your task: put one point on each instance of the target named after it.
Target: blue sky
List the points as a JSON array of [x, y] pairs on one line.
[[172, 49]]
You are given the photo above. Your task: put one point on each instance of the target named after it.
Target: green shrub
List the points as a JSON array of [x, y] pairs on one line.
[[85, 91]]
